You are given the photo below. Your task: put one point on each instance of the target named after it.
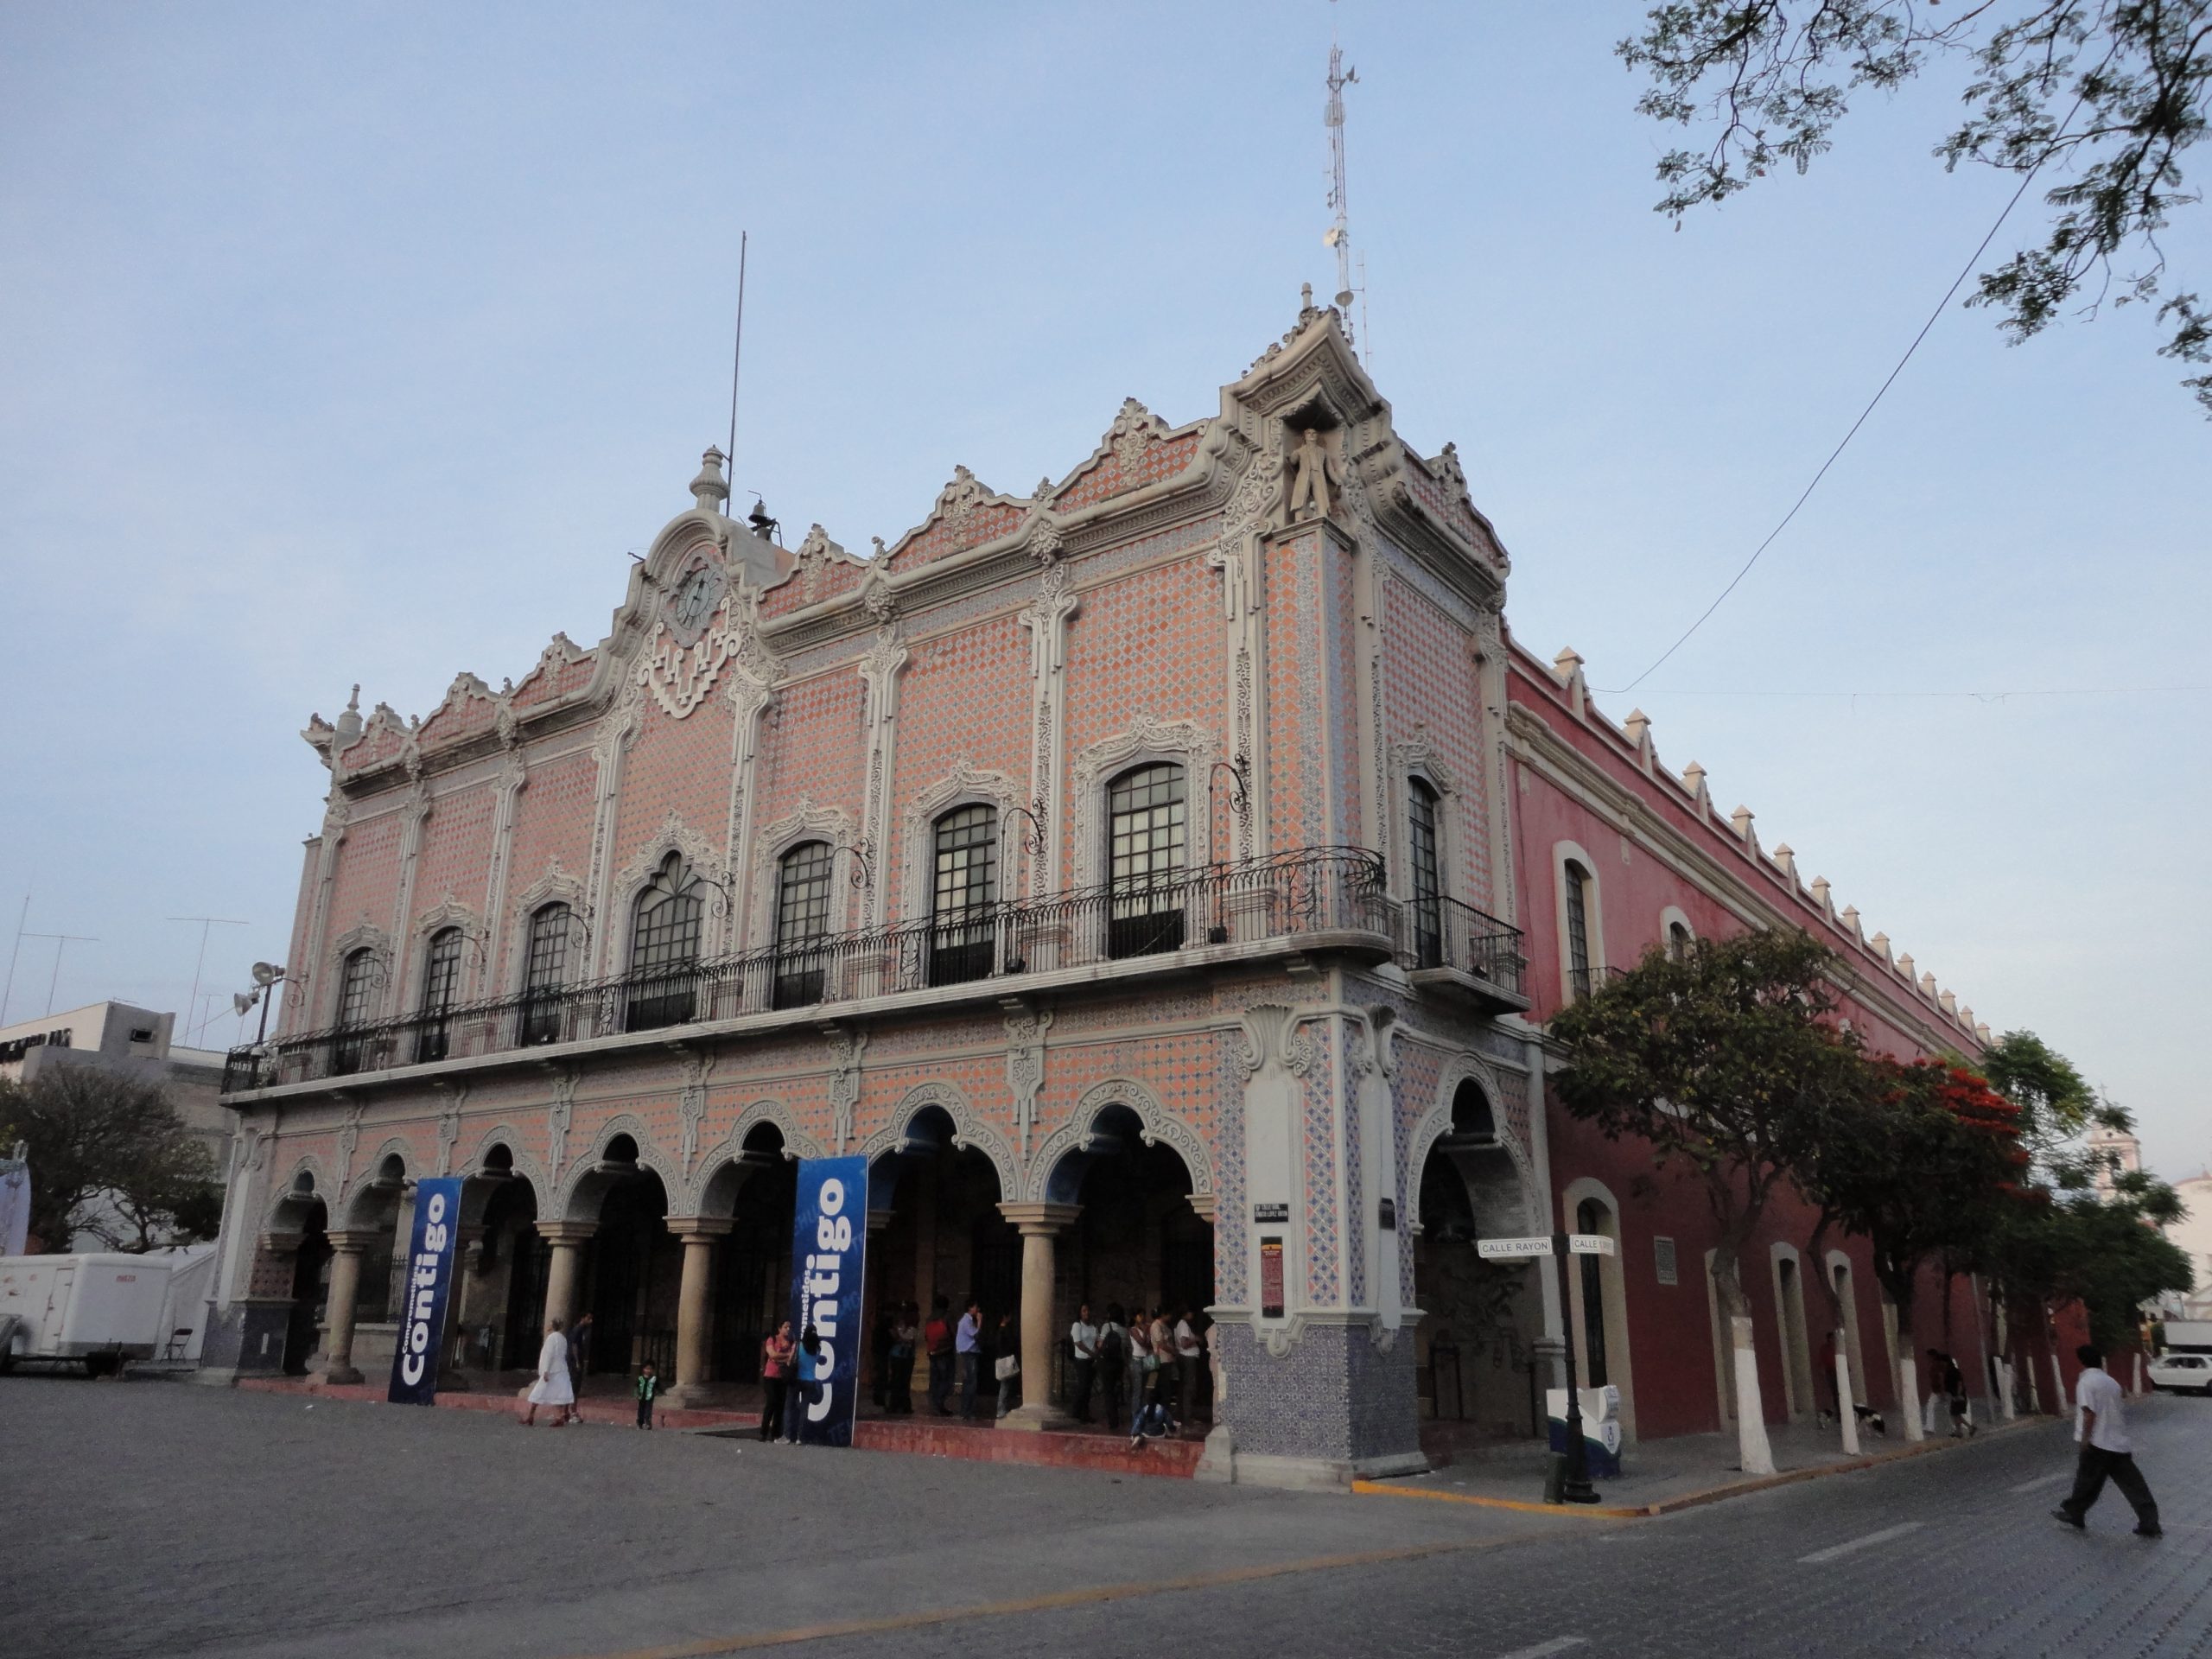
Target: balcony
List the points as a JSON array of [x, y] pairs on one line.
[[1454, 946], [1330, 898]]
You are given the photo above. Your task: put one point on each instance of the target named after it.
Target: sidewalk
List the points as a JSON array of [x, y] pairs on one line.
[[1660, 1477], [608, 1401]]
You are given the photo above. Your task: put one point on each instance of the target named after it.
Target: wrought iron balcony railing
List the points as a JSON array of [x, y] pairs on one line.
[[1444, 933], [1286, 895]]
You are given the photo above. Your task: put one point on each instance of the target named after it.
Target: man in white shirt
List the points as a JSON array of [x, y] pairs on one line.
[[1189, 1352], [2100, 1426], [1082, 1337]]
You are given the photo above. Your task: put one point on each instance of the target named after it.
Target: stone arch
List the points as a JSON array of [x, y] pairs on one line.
[[731, 1150], [584, 1187], [380, 1179], [968, 1130], [290, 1205], [1436, 1124], [1799, 1381], [1055, 1169], [520, 1161]]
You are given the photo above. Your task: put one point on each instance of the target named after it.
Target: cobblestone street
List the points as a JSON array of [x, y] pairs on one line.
[[150, 1518]]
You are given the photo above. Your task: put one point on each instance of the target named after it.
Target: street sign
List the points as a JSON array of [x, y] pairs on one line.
[[1589, 1244], [1514, 1249]]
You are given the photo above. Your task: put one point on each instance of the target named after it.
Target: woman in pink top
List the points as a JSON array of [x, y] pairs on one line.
[[776, 1358]]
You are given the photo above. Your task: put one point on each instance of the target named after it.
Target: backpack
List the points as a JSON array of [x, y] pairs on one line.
[[1111, 1350]]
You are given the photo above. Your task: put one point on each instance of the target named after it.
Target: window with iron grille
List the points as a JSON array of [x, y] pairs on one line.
[[1144, 856], [1577, 929], [1678, 941], [802, 920], [356, 985], [665, 931], [441, 983], [966, 847], [1428, 890], [545, 967], [1590, 1217]]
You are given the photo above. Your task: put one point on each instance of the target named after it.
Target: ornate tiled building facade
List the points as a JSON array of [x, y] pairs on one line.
[[1127, 869]]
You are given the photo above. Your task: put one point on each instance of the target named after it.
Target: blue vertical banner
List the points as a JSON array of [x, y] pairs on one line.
[[828, 1259], [431, 1251]]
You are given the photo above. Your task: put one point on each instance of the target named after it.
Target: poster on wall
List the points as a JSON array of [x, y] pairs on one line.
[[421, 1310], [829, 1255]]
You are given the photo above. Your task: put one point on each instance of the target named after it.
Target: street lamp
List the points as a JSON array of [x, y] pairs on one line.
[[267, 976]]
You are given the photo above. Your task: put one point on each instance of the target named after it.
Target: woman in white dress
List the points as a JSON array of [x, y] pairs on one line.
[[552, 1387]]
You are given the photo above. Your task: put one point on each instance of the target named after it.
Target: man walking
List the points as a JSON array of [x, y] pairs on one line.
[[2100, 1426], [1083, 1338], [936, 1342], [967, 1344]]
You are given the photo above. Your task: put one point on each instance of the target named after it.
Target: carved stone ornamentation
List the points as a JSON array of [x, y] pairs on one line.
[[1025, 1067], [845, 1050], [691, 1105], [558, 1116]]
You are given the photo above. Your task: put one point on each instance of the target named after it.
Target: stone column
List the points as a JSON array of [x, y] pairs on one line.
[[346, 1250], [694, 1309], [567, 1240], [1040, 1223]]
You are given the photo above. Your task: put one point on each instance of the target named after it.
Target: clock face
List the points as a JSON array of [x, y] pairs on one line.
[[695, 599]]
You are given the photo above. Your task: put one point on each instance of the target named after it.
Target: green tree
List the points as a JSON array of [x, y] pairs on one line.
[[1726, 1060], [109, 1156], [2109, 95], [1920, 1166]]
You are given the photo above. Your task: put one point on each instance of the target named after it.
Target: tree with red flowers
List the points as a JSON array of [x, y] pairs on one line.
[[1922, 1163]]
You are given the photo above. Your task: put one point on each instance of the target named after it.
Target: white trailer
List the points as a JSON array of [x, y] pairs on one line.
[[2189, 1336], [96, 1311]]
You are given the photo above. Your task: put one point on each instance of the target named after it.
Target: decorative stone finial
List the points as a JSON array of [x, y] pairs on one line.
[[1742, 818], [1880, 945], [1637, 726], [1981, 1030], [1850, 919], [710, 489], [1568, 663], [1785, 857], [349, 723], [1905, 965], [1928, 985], [1693, 781], [1966, 1018], [1821, 893]]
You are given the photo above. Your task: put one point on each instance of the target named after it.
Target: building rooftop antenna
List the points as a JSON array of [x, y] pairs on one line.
[[1340, 233], [736, 362]]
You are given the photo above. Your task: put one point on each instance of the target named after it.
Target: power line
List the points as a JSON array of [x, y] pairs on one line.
[[1943, 305], [1979, 696]]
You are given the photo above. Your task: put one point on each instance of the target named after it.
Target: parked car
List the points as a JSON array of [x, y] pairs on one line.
[[2183, 1373]]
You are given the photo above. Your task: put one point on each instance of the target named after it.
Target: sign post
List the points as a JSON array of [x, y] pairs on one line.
[[428, 1283], [828, 1263], [1574, 1485]]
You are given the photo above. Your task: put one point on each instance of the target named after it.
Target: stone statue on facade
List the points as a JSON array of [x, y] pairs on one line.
[[1314, 470]]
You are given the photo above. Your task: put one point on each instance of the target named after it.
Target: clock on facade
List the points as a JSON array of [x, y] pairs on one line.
[[694, 600]]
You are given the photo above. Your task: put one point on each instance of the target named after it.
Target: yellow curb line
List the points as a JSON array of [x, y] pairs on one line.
[[1694, 1500], [707, 1646]]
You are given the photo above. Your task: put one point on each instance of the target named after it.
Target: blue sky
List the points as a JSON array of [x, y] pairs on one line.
[[361, 343]]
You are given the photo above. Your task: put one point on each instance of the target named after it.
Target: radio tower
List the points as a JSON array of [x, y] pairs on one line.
[[1339, 236]]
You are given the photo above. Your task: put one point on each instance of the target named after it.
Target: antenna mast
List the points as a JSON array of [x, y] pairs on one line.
[[1339, 236], [736, 361]]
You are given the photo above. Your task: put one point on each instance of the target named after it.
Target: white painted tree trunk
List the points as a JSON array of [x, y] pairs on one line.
[[1845, 1401], [1755, 1453], [2058, 1385], [1909, 1406], [2004, 1391]]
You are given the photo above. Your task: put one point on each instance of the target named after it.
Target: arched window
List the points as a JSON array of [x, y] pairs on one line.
[[1427, 887], [664, 930], [1590, 1217], [1144, 859], [802, 921], [545, 968], [440, 985], [357, 983], [1678, 940], [964, 888], [1577, 929]]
